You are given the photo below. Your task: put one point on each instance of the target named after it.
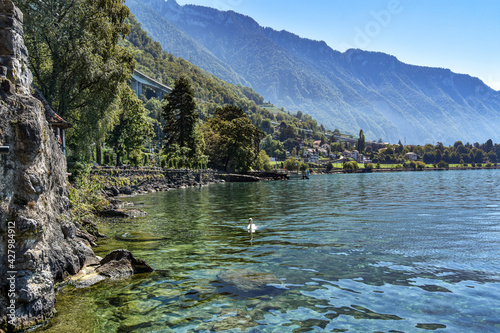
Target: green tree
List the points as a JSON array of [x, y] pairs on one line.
[[263, 162], [181, 119], [442, 164], [232, 141], [361, 142], [132, 127], [351, 166], [75, 60]]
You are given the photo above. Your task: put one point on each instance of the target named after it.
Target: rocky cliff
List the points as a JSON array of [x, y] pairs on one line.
[[37, 237]]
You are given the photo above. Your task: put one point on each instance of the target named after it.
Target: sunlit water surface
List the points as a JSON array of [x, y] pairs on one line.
[[393, 252]]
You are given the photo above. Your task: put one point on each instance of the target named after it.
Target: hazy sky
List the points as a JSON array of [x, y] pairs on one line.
[[463, 35]]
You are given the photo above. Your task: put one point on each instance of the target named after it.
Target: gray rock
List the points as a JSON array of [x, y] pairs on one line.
[[245, 282], [121, 263]]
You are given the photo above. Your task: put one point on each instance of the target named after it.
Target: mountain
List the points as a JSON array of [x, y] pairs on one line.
[[353, 90]]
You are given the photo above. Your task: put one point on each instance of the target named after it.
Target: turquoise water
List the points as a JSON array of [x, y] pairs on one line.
[[392, 252]]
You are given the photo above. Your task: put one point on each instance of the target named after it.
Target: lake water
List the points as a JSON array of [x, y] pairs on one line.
[[391, 252]]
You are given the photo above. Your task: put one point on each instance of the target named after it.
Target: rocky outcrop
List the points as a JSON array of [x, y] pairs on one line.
[[39, 243]]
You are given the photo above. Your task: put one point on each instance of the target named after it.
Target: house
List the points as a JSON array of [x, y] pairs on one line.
[[363, 159], [316, 144], [56, 122], [411, 156], [311, 156], [351, 154]]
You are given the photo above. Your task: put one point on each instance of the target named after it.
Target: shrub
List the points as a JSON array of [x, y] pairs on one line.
[[329, 167], [378, 165], [369, 166], [442, 164], [303, 166], [420, 165], [351, 166], [399, 166]]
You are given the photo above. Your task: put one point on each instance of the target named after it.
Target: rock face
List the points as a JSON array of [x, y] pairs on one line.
[[38, 241]]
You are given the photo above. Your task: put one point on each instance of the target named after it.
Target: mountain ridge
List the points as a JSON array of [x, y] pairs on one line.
[[351, 90]]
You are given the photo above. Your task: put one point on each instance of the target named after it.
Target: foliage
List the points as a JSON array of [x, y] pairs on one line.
[[232, 141], [75, 60], [442, 164], [361, 142], [182, 137], [263, 162], [420, 165], [369, 166], [351, 166], [292, 164], [132, 127], [85, 196]]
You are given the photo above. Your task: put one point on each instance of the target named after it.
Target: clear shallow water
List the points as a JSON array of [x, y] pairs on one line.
[[392, 252]]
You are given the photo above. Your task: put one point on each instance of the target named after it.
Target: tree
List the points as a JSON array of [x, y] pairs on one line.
[[132, 126], [361, 142], [488, 146], [181, 119], [267, 126], [492, 157], [232, 141], [75, 60], [263, 162], [351, 166]]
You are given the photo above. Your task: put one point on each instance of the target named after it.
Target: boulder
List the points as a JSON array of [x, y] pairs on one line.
[[121, 263]]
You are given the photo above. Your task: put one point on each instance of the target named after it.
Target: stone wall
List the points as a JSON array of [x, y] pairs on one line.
[[38, 243], [132, 180]]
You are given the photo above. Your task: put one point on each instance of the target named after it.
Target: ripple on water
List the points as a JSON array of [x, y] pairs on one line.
[[402, 252]]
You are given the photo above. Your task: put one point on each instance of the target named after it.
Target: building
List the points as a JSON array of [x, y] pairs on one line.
[[56, 122], [411, 156]]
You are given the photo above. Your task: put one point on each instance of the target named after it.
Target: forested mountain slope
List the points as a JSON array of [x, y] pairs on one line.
[[349, 91]]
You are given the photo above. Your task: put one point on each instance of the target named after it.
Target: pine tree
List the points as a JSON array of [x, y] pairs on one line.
[[181, 118], [361, 141]]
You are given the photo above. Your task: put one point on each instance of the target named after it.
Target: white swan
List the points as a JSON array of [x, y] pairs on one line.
[[251, 227]]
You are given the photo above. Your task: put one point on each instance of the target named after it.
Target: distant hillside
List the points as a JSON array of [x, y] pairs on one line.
[[356, 89]]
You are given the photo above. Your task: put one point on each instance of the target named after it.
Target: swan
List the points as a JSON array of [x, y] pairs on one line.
[[251, 226]]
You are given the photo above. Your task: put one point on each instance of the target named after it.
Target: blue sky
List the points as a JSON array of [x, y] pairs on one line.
[[463, 35]]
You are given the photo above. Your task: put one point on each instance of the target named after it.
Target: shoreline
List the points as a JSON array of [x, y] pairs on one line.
[[127, 181]]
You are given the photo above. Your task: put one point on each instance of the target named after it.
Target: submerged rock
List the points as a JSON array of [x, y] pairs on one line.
[[229, 320], [117, 264], [245, 282], [125, 213]]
